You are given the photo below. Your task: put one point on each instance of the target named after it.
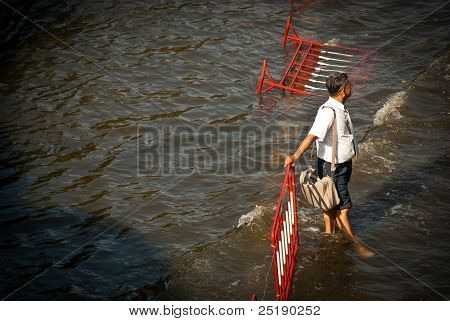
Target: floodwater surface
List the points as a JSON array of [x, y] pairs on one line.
[[135, 163]]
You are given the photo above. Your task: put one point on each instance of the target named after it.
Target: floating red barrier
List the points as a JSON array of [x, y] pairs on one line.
[[311, 64], [284, 236]]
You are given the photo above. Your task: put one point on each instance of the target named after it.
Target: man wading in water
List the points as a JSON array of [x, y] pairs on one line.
[[340, 90]]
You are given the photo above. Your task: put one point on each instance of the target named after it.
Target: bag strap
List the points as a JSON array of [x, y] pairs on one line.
[[347, 120], [333, 151], [313, 149]]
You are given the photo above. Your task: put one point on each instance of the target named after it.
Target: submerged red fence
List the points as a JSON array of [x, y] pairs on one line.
[[284, 236], [312, 62]]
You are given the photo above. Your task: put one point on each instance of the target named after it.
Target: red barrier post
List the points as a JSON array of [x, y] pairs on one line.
[[284, 236]]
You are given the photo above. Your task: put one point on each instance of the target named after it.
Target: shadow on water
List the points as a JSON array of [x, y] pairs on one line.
[[66, 256], [60, 252], [15, 29]]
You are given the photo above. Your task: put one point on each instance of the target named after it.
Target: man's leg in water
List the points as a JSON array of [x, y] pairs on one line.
[[343, 223], [330, 218]]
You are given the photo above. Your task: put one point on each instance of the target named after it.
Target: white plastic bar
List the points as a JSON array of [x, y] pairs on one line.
[[313, 88], [278, 267], [317, 81], [288, 216], [317, 75], [280, 248], [285, 240], [292, 211], [290, 224], [290, 219], [282, 254], [286, 253], [327, 70], [330, 65], [334, 59], [336, 53]]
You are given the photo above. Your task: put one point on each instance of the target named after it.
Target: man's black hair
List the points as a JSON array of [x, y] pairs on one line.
[[335, 81]]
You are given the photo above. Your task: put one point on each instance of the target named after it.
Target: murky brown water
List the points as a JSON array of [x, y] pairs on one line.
[[89, 210]]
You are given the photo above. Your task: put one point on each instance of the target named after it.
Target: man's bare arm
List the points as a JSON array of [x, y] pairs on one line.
[[305, 144]]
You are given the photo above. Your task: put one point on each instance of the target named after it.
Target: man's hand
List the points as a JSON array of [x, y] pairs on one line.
[[301, 149], [289, 160]]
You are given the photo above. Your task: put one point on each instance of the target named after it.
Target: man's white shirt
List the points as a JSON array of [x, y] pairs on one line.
[[323, 130]]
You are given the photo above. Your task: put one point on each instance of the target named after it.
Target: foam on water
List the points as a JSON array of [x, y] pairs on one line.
[[390, 111], [396, 209], [250, 216], [312, 229], [334, 41]]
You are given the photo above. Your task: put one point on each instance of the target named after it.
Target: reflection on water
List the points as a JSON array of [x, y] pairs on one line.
[[73, 203]]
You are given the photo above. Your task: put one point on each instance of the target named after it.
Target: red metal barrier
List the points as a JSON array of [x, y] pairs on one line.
[[312, 62], [284, 236]]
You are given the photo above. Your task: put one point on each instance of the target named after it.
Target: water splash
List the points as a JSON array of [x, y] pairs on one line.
[[250, 216], [390, 111], [312, 229]]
